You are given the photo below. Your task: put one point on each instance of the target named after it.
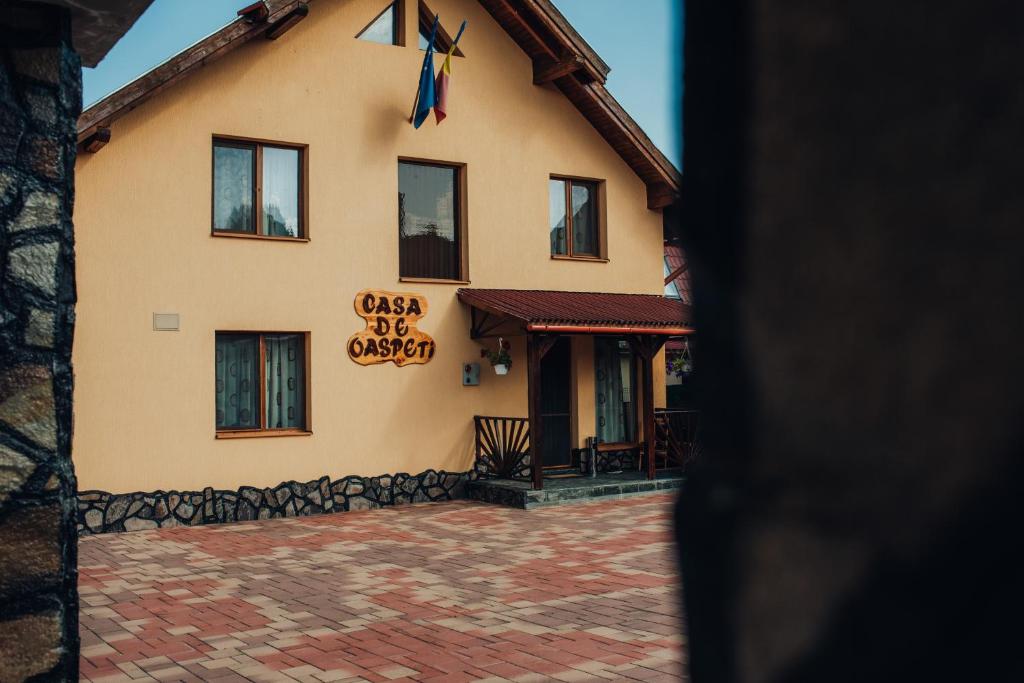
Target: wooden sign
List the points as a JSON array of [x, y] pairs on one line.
[[390, 335]]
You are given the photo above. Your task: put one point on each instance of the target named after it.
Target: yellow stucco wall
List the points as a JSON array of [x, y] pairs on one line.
[[144, 400]]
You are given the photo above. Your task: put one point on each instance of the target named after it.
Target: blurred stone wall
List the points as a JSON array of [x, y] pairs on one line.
[[40, 99]]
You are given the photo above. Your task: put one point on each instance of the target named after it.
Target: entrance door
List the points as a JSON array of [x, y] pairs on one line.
[[556, 405]]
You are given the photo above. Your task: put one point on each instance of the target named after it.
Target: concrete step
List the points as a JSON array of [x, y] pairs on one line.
[[561, 491]]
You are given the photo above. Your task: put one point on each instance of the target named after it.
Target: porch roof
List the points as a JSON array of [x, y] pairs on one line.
[[583, 312]]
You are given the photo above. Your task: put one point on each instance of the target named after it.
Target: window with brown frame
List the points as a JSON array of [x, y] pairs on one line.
[[387, 27], [431, 221], [259, 189], [576, 218], [442, 41], [262, 384]]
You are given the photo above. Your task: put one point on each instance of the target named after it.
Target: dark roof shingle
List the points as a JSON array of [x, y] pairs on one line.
[[594, 309]]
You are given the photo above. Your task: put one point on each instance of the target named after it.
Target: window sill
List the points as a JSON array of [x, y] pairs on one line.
[[433, 281], [250, 236], [261, 433], [591, 259]]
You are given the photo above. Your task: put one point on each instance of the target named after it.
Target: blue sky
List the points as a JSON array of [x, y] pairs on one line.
[[638, 39]]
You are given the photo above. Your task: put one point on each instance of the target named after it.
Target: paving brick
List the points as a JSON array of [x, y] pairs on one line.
[[446, 592]]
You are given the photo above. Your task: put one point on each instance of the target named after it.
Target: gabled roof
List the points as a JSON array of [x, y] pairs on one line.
[[675, 259], [584, 312], [560, 56]]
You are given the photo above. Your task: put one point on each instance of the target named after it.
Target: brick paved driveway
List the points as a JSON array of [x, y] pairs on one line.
[[444, 592]]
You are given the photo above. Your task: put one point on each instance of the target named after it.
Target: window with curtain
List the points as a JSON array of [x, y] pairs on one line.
[[429, 225], [573, 219], [258, 189], [238, 381], [260, 381], [614, 375]]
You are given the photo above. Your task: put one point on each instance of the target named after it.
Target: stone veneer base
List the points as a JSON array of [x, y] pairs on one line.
[[102, 512], [520, 494]]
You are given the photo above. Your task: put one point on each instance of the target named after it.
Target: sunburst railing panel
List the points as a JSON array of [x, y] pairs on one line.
[[502, 447]]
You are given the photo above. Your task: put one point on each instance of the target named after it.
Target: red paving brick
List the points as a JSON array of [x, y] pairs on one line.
[[439, 592]]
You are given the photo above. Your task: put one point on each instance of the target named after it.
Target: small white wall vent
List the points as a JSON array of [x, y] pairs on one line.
[[166, 322]]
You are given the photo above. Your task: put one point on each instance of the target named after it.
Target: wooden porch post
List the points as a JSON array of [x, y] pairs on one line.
[[647, 347], [647, 363], [533, 357]]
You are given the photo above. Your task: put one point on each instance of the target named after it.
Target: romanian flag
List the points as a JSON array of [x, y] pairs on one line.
[[443, 77], [425, 96]]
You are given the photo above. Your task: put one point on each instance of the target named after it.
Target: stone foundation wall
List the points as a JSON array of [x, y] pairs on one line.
[[618, 461], [101, 512], [522, 469], [40, 99]]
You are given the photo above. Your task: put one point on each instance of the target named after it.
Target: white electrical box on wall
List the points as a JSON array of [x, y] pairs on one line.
[[471, 375], [166, 322]]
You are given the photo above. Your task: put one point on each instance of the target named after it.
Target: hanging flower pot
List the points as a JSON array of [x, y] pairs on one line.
[[501, 359], [681, 364]]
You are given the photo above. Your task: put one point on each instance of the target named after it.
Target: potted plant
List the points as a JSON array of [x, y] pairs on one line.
[[681, 364], [501, 360]]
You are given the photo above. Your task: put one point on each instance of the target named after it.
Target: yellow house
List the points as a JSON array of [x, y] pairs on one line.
[[280, 279]]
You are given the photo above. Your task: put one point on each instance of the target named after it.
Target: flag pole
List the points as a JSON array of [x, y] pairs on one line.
[[419, 85], [415, 101], [461, 29]]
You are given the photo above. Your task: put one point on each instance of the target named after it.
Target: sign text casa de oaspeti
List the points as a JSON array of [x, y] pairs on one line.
[[390, 335]]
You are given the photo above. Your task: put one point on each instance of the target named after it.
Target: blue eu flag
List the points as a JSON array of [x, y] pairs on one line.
[[427, 95]]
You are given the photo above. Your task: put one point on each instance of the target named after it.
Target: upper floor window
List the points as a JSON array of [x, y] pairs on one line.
[[575, 218], [431, 221], [443, 41], [259, 189], [671, 289], [386, 28]]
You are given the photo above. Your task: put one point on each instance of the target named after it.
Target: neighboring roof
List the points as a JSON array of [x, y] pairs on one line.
[[538, 310], [675, 259], [560, 56], [96, 25]]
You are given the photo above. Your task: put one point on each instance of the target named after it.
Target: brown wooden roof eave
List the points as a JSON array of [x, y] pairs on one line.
[[615, 125], [128, 97], [556, 48], [552, 14], [546, 37]]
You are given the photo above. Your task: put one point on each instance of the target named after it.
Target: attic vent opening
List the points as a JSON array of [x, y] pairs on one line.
[[443, 41], [386, 27]]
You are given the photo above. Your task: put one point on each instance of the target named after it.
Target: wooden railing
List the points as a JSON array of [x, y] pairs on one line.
[[502, 447], [678, 438]]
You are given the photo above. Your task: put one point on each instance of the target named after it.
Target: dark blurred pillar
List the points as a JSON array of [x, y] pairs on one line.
[[40, 98], [854, 215]]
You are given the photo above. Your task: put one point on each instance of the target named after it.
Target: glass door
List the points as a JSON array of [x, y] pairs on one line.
[[615, 382]]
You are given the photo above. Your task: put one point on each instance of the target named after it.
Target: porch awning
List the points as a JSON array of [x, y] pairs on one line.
[[576, 312]]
